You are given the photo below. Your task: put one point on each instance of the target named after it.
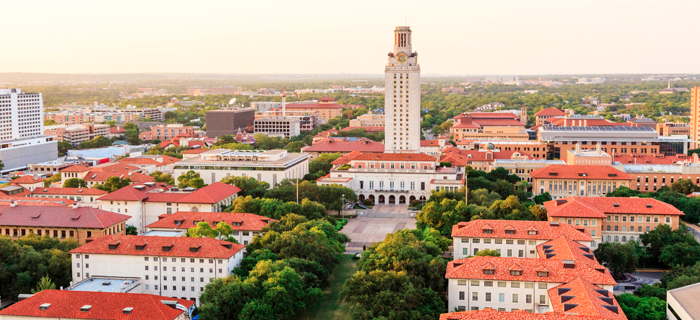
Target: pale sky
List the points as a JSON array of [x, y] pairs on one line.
[[325, 36]]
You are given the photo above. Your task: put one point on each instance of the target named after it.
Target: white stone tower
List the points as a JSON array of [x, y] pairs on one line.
[[402, 96]]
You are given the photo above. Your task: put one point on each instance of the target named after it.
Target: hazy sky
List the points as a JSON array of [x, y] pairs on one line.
[[325, 36]]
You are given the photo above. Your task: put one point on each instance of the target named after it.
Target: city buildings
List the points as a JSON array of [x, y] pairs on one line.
[[245, 225], [534, 148], [523, 167], [22, 139], [264, 106], [588, 157], [694, 116], [544, 114], [593, 304], [67, 304], [343, 146], [285, 127], [489, 125], [402, 95], [578, 180], [613, 219], [86, 197], [58, 221], [229, 121], [28, 181], [452, 90], [271, 166], [681, 303], [200, 91], [308, 120], [150, 163], [167, 266], [673, 128], [510, 238], [481, 159], [651, 177], [368, 120], [77, 133], [100, 173], [590, 80], [170, 131], [326, 108], [146, 202]]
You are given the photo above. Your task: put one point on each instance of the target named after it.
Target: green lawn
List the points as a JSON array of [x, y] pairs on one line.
[[330, 306]]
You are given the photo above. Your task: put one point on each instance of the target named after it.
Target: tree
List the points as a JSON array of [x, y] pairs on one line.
[[684, 186], [249, 186], [295, 146], [509, 209], [64, 146], [44, 284], [190, 179], [482, 197], [390, 294], [542, 198], [131, 230], [130, 126], [54, 178], [113, 184], [322, 164], [332, 196], [277, 209], [642, 308], [49, 122], [487, 253], [680, 254], [75, 183], [617, 257], [98, 142], [265, 142], [159, 176], [223, 231], [539, 211], [663, 238]]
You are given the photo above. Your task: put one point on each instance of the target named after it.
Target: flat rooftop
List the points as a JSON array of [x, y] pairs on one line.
[[687, 297], [244, 158], [106, 284]]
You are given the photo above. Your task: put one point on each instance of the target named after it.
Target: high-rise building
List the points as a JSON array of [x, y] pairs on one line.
[[22, 139], [402, 95], [694, 116]]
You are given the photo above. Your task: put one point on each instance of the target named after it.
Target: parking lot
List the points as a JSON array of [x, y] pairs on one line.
[[375, 224]]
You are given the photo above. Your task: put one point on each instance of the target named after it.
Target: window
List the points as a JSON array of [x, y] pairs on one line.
[[501, 284], [487, 296], [475, 283], [515, 298], [528, 298], [502, 297], [529, 285], [462, 282], [542, 286], [543, 299], [461, 295], [475, 296]]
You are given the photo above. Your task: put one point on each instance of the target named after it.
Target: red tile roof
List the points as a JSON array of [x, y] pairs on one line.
[[212, 193], [473, 268], [117, 130], [165, 160], [337, 145], [395, 157], [550, 112], [44, 202], [130, 193], [585, 122], [543, 230], [579, 172], [195, 151], [27, 179], [586, 299], [76, 168], [70, 191], [488, 115], [498, 123], [55, 216], [102, 176], [345, 159], [66, 304], [313, 106], [430, 143], [491, 314], [186, 220], [598, 207], [367, 129], [563, 248], [462, 158], [153, 246]]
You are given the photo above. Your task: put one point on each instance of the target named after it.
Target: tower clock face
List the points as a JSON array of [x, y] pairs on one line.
[[401, 58]]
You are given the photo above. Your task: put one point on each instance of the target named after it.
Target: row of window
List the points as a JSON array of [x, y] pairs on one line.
[[497, 241], [515, 297], [40, 232], [503, 284], [391, 185]]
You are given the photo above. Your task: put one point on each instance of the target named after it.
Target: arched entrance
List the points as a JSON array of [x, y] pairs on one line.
[[402, 199], [411, 199], [392, 199], [381, 198], [422, 198], [361, 197], [371, 198]]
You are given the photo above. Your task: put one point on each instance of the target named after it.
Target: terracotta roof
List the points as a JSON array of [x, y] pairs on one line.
[[395, 157], [70, 191], [488, 115], [550, 112], [466, 126], [153, 246], [326, 98], [473, 268], [588, 122], [64, 304], [27, 179], [430, 143], [598, 207], [102, 176], [58, 216], [462, 158], [491, 314], [336, 145], [345, 159], [655, 159], [579, 172], [368, 129], [212, 193], [76, 168], [44, 202], [195, 151], [543, 230], [313, 106], [186, 220], [563, 248], [580, 297], [117, 130], [130, 193], [165, 160]]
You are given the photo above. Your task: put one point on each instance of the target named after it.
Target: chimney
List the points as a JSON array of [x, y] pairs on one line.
[[597, 148], [695, 158], [75, 205], [13, 203], [578, 148]]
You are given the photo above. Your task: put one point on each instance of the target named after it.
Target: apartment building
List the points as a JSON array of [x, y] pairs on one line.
[[613, 219], [271, 166], [651, 177], [77, 133], [58, 221], [327, 108], [368, 120], [264, 106], [285, 127], [510, 238], [170, 131], [578, 180], [167, 266], [85, 197], [146, 202], [245, 225], [534, 148], [66, 304]]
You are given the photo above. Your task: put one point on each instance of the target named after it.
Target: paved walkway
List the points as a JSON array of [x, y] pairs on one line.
[[376, 224]]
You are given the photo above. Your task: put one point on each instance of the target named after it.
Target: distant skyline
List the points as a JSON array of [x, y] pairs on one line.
[[327, 37]]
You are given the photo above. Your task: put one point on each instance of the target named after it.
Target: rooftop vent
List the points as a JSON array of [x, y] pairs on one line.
[[648, 205], [195, 249], [608, 300], [553, 174], [106, 283], [586, 249], [547, 246], [603, 292], [569, 264], [85, 308], [167, 248], [616, 205], [554, 223], [170, 303], [611, 308], [582, 174], [550, 255], [227, 245], [44, 306], [140, 247], [565, 298], [561, 291], [150, 184], [140, 188], [569, 306], [127, 310], [113, 246], [612, 174]]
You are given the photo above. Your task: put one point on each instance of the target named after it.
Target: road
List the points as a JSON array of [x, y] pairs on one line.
[[694, 229]]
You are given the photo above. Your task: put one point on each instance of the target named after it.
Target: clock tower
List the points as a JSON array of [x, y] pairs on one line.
[[402, 96]]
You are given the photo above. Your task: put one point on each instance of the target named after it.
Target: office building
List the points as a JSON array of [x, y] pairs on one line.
[[673, 129], [22, 139], [229, 121], [245, 226], [85, 197], [170, 131], [578, 180], [77, 133], [368, 120], [544, 114], [402, 95], [286, 127], [99, 174], [264, 106], [343, 146], [271, 166], [489, 125]]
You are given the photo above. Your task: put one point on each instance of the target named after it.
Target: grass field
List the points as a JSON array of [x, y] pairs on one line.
[[330, 306]]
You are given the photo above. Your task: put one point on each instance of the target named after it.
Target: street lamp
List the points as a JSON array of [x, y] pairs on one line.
[[343, 208]]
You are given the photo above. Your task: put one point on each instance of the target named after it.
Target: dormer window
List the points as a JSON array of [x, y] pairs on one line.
[[489, 271], [515, 272], [542, 273], [488, 231], [510, 231], [532, 232]]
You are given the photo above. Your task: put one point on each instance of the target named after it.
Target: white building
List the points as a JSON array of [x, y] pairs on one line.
[[22, 139], [271, 166], [285, 127], [590, 80], [682, 303], [85, 197], [167, 266], [402, 95], [510, 238], [264, 106], [145, 202]]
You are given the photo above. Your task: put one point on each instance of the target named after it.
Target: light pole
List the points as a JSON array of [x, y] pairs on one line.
[[343, 208]]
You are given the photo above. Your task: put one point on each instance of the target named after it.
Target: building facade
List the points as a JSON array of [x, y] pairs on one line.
[[578, 180], [245, 226], [368, 120], [170, 131], [229, 121], [285, 127]]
